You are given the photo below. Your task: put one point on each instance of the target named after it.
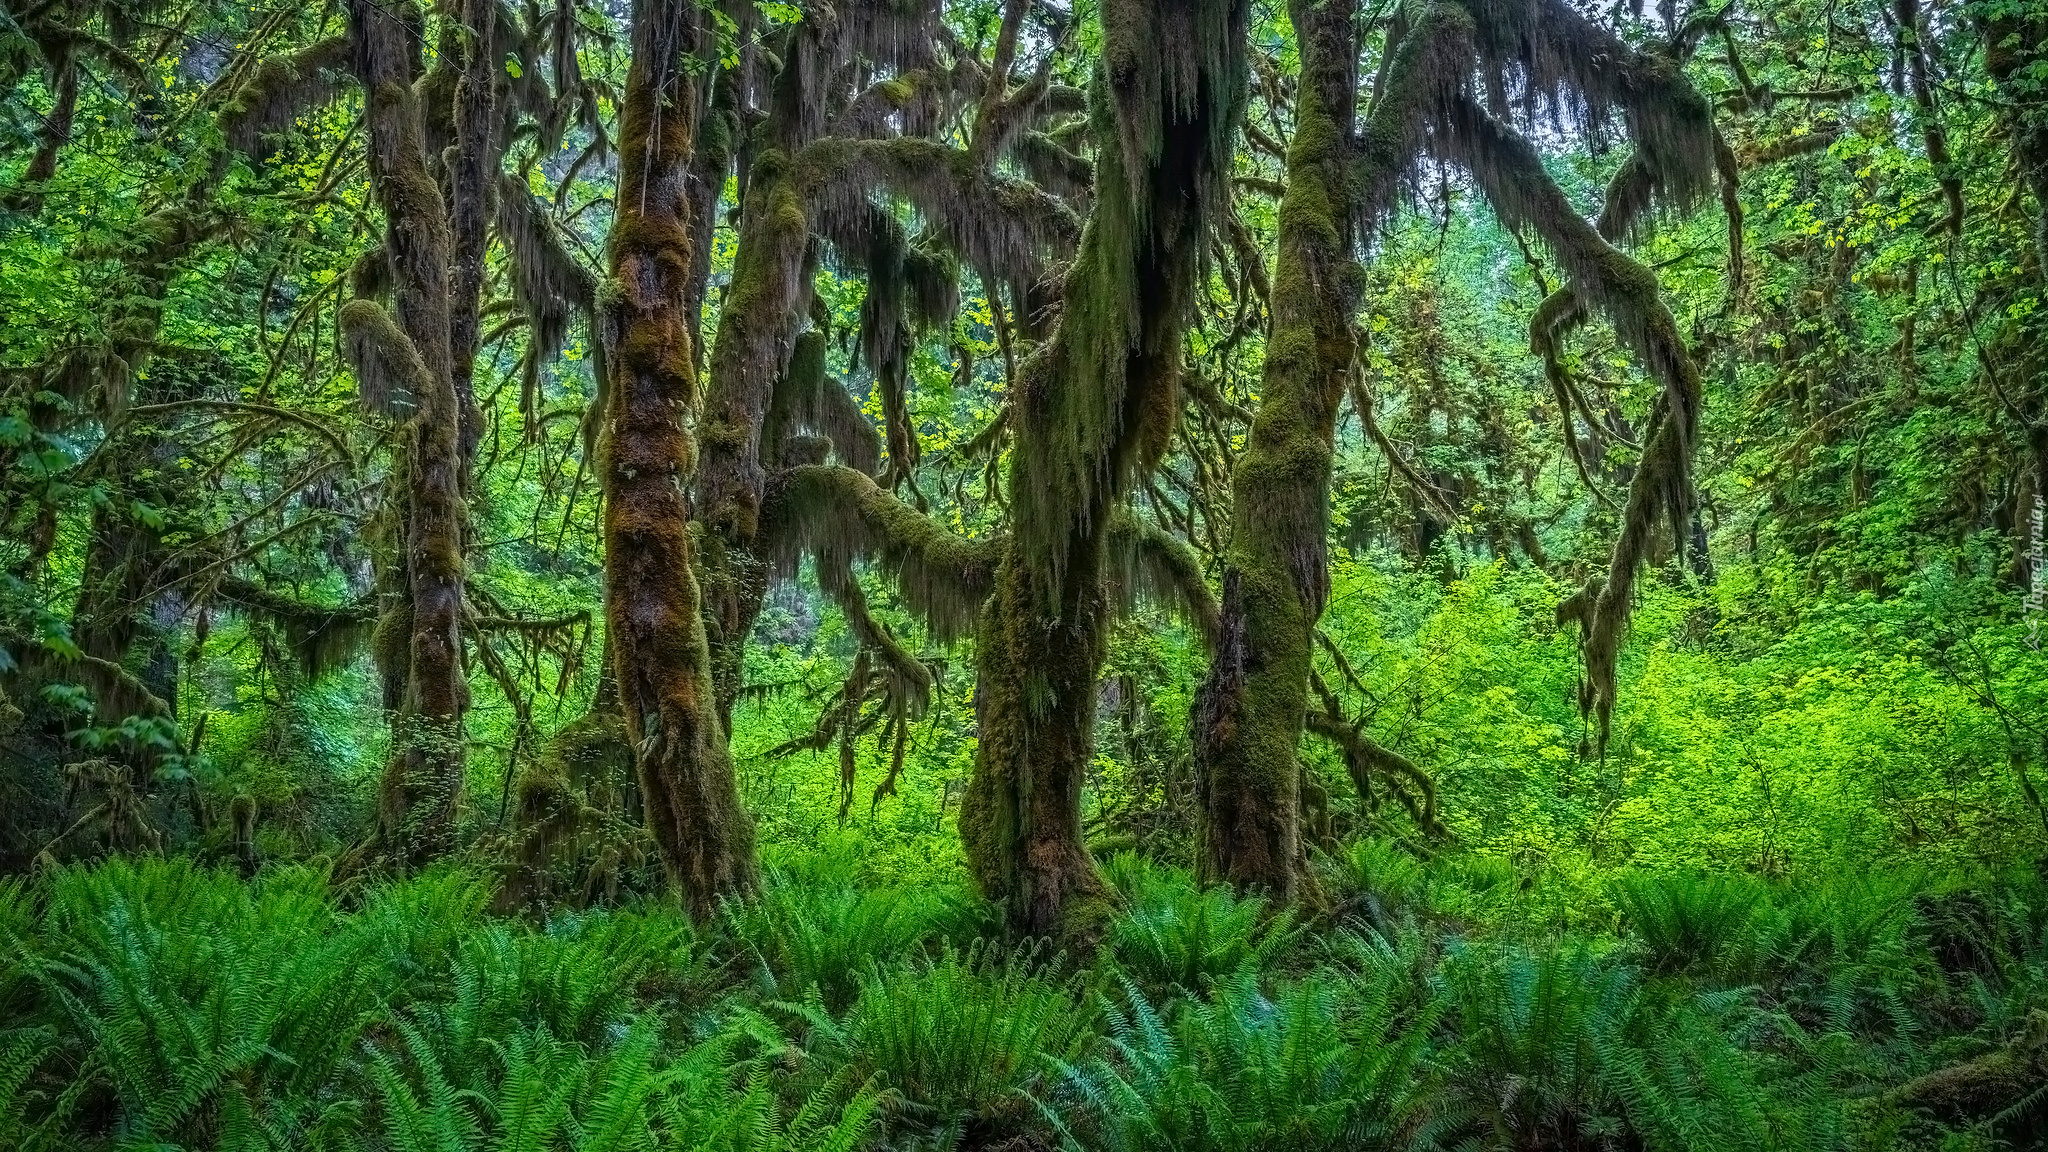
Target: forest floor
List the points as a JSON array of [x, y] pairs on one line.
[[1460, 1002]]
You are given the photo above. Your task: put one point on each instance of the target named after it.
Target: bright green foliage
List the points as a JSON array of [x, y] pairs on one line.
[[964, 1039], [1562, 1047], [817, 931], [1795, 900], [154, 1003], [185, 1007]]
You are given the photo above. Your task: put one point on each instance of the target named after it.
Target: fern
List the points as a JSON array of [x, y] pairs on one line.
[[206, 1005], [1323, 1065], [1177, 934], [964, 1038], [1686, 922], [815, 927], [1563, 1048]]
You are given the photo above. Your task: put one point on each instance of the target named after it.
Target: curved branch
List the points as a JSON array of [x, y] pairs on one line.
[[1144, 559], [838, 514]]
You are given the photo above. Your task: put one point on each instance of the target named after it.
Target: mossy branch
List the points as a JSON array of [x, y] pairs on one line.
[[1144, 559], [839, 514]]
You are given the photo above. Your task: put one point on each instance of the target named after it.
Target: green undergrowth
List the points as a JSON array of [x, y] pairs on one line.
[[157, 1004]]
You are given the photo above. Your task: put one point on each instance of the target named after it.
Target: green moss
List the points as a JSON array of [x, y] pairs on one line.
[[1249, 713]]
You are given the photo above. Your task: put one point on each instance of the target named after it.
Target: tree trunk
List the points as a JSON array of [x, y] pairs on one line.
[[757, 324], [1021, 816], [653, 609], [1248, 714], [472, 181], [423, 782], [1095, 410]]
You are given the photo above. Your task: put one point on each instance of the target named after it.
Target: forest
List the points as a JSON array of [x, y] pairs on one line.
[[1023, 575]]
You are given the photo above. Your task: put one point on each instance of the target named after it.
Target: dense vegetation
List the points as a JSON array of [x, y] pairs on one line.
[[1143, 574]]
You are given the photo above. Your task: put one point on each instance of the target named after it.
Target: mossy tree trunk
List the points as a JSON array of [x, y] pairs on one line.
[[422, 784], [1249, 712], [472, 177], [1095, 409], [2013, 49], [653, 607], [757, 324]]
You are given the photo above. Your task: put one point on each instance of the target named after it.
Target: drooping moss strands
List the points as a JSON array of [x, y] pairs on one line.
[[278, 92], [1094, 409], [549, 285], [1422, 70], [1249, 711], [791, 188], [1001, 227], [1577, 70], [1507, 168], [1102, 397], [1145, 562], [423, 783], [1630, 196], [653, 610], [390, 375], [840, 514]]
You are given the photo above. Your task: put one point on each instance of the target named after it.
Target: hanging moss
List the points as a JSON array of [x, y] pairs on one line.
[[839, 514], [323, 638], [1144, 561], [549, 285], [1004, 227], [280, 90], [388, 370], [1093, 409], [1570, 69]]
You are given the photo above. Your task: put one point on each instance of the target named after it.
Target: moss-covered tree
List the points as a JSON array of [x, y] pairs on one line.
[[412, 352], [1096, 407], [653, 608], [1250, 711]]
